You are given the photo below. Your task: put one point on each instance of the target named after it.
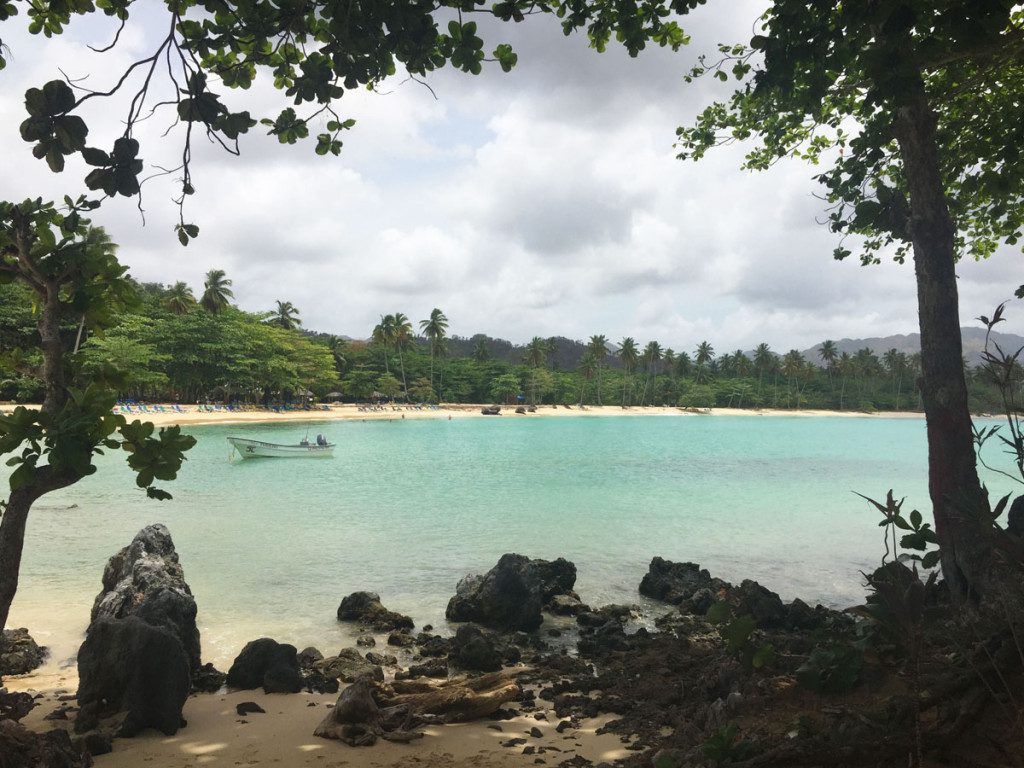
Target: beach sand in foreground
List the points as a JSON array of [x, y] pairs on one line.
[[217, 736]]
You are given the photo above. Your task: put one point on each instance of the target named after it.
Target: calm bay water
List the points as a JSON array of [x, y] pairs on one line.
[[406, 508]]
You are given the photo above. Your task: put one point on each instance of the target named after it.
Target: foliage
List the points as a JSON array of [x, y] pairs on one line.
[[918, 537], [726, 746], [738, 634], [831, 669]]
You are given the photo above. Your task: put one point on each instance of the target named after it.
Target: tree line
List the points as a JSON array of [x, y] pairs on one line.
[[170, 344]]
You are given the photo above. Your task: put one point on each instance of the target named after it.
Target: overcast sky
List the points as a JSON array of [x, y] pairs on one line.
[[547, 201]]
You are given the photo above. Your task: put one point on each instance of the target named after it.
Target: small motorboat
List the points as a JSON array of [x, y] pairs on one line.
[[257, 449]]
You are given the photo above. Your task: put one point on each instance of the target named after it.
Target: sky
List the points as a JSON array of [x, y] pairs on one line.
[[546, 201]]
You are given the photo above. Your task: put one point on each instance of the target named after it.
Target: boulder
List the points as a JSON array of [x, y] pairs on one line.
[[268, 664], [309, 656], [760, 602], [130, 667], [491, 410], [19, 653], [511, 595], [208, 679], [676, 583], [566, 605], [354, 718], [348, 666], [145, 579], [475, 650], [366, 608], [22, 748]]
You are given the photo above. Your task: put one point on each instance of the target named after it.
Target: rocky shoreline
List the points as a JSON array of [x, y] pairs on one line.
[[729, 674]]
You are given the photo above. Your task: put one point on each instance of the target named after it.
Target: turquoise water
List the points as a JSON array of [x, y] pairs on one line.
[[406, 508]]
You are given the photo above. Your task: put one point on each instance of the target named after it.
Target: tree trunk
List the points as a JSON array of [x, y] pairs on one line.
[[960, 504]]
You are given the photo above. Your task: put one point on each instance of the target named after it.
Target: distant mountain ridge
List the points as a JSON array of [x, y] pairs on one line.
[[909, 343]]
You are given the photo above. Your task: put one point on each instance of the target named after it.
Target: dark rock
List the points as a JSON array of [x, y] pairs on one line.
[[14, 706], [764, 605], [428, 628], [521, 409], [566, 605], [432, 668], [564, 724], [130, 666], [510, 596], [401, 639], [491, 410], [366, 608], [309, 656], [1015, 517], [96, 742], [317, 682], [146, 580], [366, 641], [348, 666], [208, 679], [677, 582], [22, 748], [433, 645], [351, 719], [800, 616], [381, 659], [516, 742], [249, 708], [19, 653], [536, 732], [475, 650], [268, 664]]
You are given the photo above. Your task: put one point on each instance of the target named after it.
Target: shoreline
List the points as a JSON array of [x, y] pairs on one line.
[[194, 417]]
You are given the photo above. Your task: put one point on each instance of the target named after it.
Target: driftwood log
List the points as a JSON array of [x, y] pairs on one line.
[[367, 711]]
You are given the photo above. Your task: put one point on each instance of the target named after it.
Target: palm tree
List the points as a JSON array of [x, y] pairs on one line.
[[217, 292], [845, 367], [382, 334], [588, 365], [741, 364], [286, 316], [683, 364], [536, 355], [764, 359], [179, 298], [480, 351], [703, 356], [792, 366], [628, 354], [829, 354], [651, 356], [434, 328], [401, 335], [598, 345]]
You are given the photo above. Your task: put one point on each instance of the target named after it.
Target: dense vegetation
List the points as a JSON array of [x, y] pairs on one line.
[[170, 346]]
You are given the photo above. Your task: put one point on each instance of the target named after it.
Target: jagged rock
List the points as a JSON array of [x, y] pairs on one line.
[[433, 645], [348, 666], [268, 664], [491, 410], [511, 595], [96, 742], [132, 667], [22, 748], [764, 605], [366, 608], [145, 579], [309, 656], [19, 653], [566, 605], [381, 659], [677, 582], [474, 650], [432, 668], [14, 706], [315, 681], [208, 679], [401, 639]]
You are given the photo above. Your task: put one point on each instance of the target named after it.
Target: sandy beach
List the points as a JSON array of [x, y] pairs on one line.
[[193, 416], [217, 736]]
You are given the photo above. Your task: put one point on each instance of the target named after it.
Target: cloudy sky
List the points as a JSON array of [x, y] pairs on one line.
[[547, 201]]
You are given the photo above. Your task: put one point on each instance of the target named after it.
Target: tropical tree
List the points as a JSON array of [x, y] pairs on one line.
[[888, 93], [651, 357], [286, 316], [628, 354], [703, 357], [829, 354], [598, 345], [401, 337], [480, 351], [505, 387], [179, 298], [764, 361], [434, 328], [535, 356], [587, 368], [383, 334], [217, 293]]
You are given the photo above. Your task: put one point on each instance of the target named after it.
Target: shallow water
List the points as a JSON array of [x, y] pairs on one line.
[[406, 508]]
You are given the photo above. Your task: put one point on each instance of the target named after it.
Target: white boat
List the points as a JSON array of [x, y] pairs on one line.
[[255, 449]]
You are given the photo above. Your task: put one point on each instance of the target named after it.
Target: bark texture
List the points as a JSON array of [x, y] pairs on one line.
[[959, 502]]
